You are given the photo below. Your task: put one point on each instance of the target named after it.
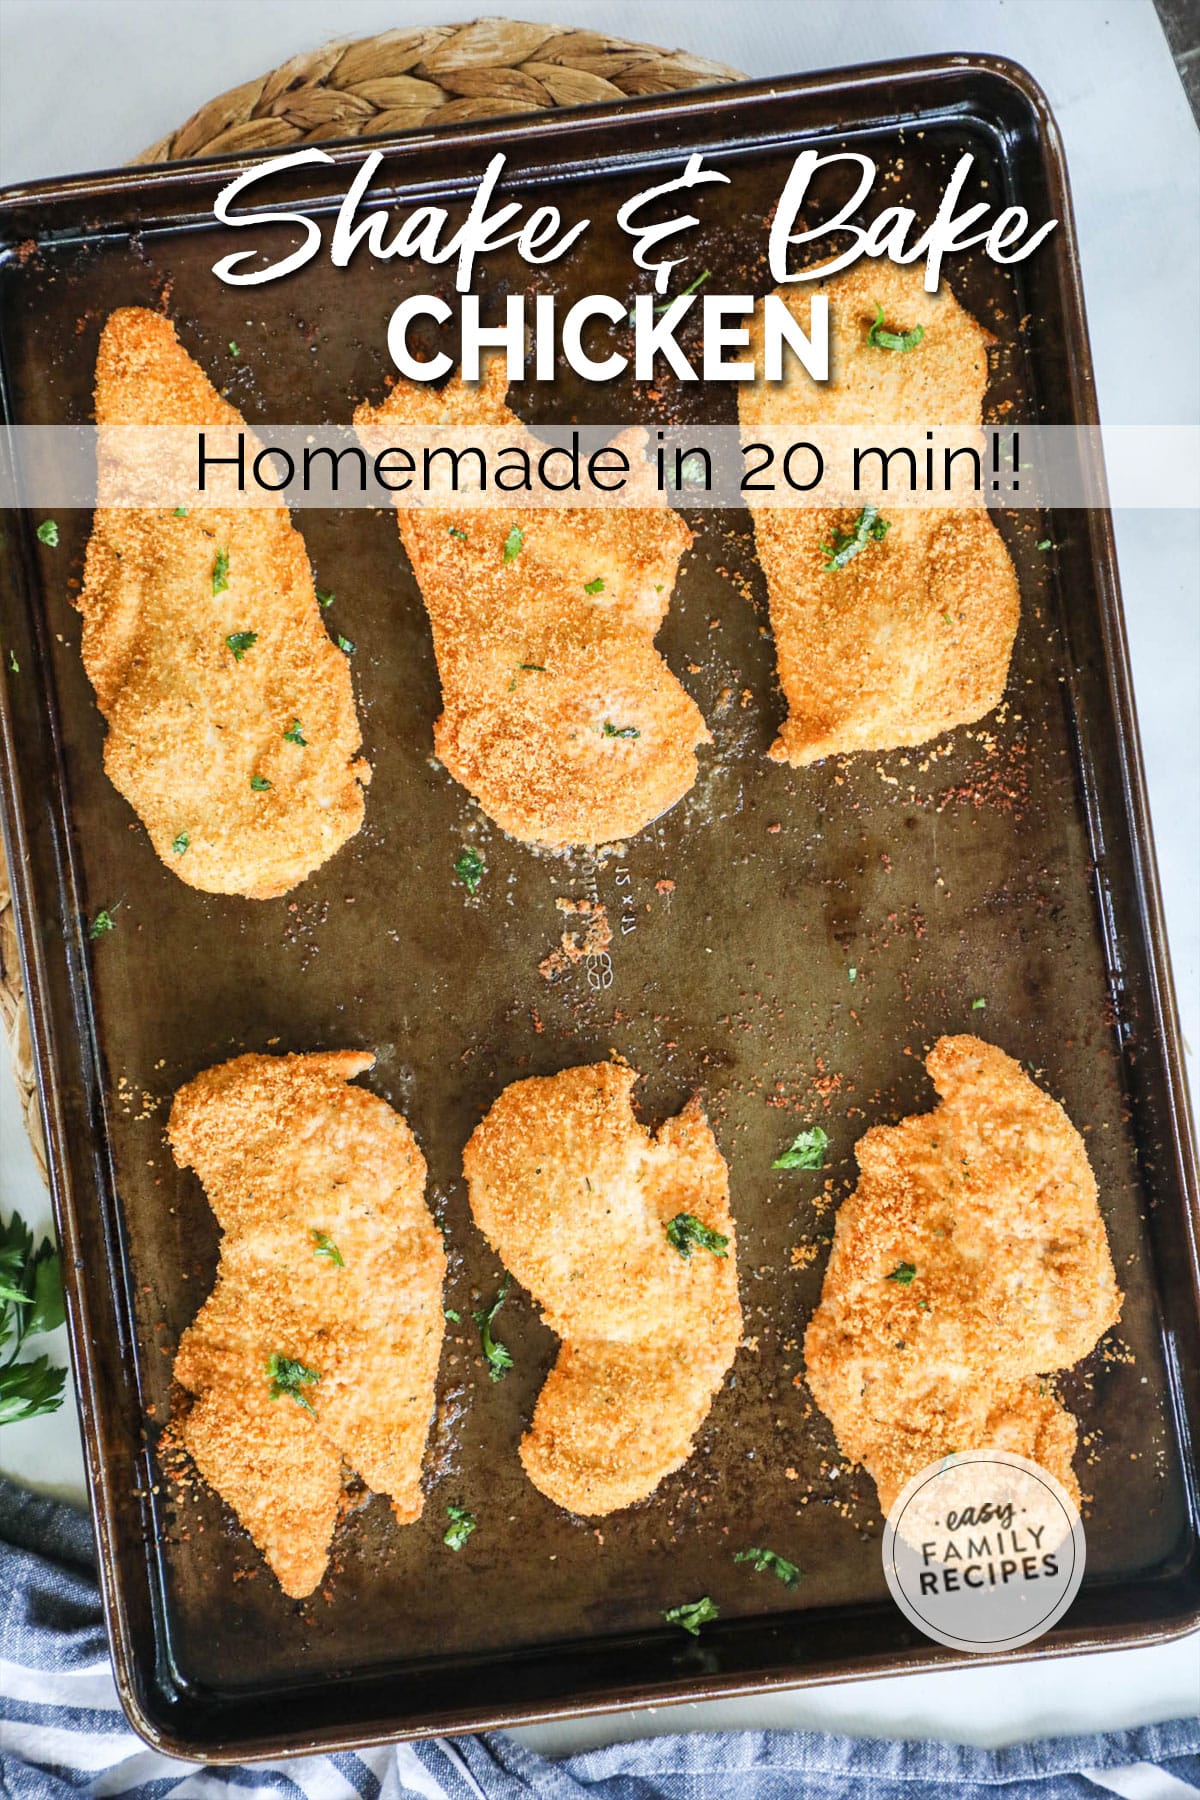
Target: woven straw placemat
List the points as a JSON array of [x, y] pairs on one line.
[[364, 87]]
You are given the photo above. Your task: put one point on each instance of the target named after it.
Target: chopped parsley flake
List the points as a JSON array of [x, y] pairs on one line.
[[499, 1359], [456, 533], [462, 1524], [48, 533], [102, 922], [621, 731], [220, 572], [259, 783], [469, 867], [846, 544], [293, 734], [685, 1231], [594, 587], [879, 339], [180, 843], [233, 349], [180, 512], [289, 1377], [767, 1562], [454, 1316], [241, 641], [344, 644], [904, 1274], [978, 1005], [323, 1245], [1045, 544], [325, 599], [13, 664], [534, 668], [806, 1150], [513, 543], [852, 973], [692, 1615]]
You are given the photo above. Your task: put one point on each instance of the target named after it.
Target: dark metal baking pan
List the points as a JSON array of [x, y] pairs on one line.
[[1009, 862]]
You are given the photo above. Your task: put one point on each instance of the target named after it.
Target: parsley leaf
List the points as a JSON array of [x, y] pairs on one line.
[[685, 1231], [978, 1005], [621, 731], [513, 543], [180, 512], [13, 664], [289, 1377], [47, 533], [499, 1359], [692, 1614], [293, 734], [456, 533], [259, 784], [233, 349], [904, 1274], [31, 1301], [806, 1150], [220, 572], [452, 1313], [767, 1562], [469, 866], [594, 587], [346, 645], [462, 1524], [323, 1245], [102, 922], [1044, 544], [847, 544], [325, 599], [241, 641], [879, 339], [180, 844]]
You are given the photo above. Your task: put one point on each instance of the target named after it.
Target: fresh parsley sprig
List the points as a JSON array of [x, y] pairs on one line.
[[806, 1150], [469, 867], [31, 1301], [290, 1377], [462, 1524], [497, 1356], [685, 1232]]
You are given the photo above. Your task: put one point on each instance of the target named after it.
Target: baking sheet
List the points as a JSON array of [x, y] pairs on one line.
[[1004, 863]]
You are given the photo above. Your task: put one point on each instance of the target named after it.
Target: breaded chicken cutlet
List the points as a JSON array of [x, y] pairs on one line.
[[559, 715], [912, 634], [231, 723], [626, 1240], [318, 1348], [970, 1260]]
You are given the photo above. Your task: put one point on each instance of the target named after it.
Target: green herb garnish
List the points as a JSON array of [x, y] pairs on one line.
[[48, 533], [685, 1232], [692, 1615], [452, 1313], [455, 532], [241, 641], [325, 599], [13, 664], [289, 1377], [978, 1005], [323, 1245], [102, 922], [233, 349], [259, 784], [498, 1358], [534, 668], [879, 339], [462, 1524], [594, 587], [180, 844], [806, 1150], [767, 1562], [469, 867], [513, 543], [220, 572], [180, 512], [1045, 544], [344, 644], [846, 544], [293, 734], [904, 1274], [31, 1301], [621, 731], [666, 305]]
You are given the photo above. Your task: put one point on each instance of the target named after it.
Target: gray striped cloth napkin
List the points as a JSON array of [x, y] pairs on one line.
[[64, 1737]]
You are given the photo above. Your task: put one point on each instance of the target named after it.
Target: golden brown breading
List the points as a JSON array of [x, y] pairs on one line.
[[560, 716], [575, 1196], [913, 635], [991, 1203], [190, 725], [301, 1171]]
